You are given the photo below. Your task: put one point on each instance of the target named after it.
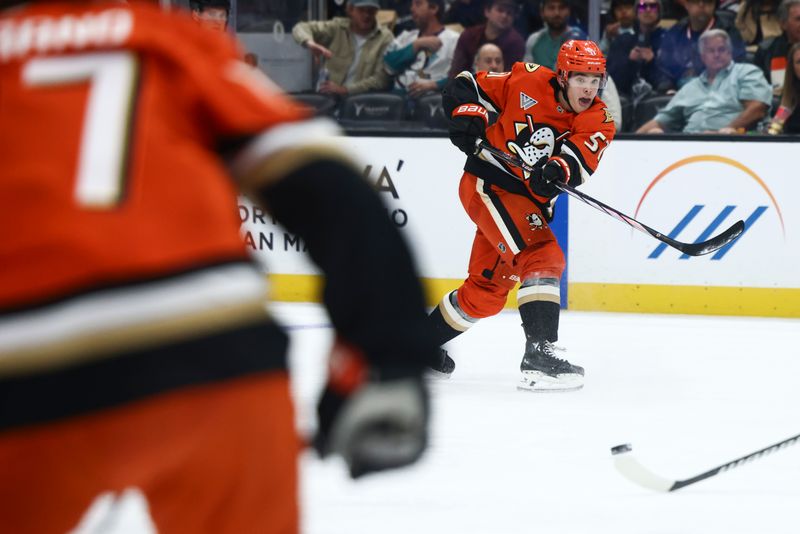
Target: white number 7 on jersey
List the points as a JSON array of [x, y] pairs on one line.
[[104, 138]]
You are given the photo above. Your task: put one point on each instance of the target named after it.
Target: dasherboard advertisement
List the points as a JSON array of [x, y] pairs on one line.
[[690, 191], [417, 179]]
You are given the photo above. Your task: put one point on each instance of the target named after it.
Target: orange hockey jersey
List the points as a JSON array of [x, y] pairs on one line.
[[527, 121], [119, 150], [118, 218]]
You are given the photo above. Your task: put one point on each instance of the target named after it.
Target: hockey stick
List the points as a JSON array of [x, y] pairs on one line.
[[692, 249], [631, 469]]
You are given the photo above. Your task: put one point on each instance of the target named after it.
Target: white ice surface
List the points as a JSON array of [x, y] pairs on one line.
[[690, 393]]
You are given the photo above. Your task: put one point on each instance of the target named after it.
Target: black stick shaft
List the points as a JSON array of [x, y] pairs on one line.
[[735, 463], [692, 249]]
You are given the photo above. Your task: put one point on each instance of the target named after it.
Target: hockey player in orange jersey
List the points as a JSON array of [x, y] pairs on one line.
[[143, 384], [557, 123]]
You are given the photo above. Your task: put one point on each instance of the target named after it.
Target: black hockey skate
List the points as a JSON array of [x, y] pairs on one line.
[[444, 366], [543, 371]]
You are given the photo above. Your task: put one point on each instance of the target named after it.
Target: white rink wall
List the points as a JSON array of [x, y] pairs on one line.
[[687, 187], [698, 188]]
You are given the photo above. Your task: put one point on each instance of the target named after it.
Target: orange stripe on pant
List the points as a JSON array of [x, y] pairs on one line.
[[513, 241], [217, 458]]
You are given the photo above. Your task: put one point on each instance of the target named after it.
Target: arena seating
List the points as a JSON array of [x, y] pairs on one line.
[[428, 111], [647, 109], [322, 104], [391, 111], [372, 107]]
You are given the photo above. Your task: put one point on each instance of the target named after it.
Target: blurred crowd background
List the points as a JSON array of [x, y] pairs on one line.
[[674, 66]]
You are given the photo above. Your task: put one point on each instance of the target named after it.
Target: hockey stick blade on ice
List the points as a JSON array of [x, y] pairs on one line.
[[692, 249], [630, 468]]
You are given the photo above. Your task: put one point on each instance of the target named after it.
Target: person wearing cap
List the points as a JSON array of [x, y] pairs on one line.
[[498, 29], [543, 46], [350, 49]]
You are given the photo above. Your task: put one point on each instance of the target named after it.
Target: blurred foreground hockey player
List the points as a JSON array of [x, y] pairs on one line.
[[557, 123], [143, 384]]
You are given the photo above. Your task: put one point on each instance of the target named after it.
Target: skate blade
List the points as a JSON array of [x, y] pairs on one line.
[[540, 382]]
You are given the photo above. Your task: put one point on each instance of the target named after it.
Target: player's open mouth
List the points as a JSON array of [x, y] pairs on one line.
[[585, 102]]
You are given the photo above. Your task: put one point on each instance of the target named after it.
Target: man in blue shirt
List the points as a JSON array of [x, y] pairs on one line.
[[726, 98]]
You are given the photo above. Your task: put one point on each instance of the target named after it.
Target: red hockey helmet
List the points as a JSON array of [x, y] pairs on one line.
[[580, 56]]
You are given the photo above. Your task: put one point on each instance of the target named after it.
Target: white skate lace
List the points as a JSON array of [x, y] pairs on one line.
[[549, 350]]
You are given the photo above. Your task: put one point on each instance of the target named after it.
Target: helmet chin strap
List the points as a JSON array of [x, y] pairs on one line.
[[566, 97]]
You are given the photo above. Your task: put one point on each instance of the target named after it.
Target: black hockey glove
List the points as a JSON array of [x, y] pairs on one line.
[[374, 423], [467, 125], [556, 169]]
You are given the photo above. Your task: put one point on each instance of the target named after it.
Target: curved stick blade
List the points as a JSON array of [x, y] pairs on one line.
[[630, 468], [713, 244]]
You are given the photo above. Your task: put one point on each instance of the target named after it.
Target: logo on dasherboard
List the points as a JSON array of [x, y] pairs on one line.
[[700, 221]]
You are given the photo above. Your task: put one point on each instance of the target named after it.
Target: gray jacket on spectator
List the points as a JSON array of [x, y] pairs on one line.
[[335, 35]]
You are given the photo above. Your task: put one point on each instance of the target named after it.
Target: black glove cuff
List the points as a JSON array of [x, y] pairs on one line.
[[465, 142]]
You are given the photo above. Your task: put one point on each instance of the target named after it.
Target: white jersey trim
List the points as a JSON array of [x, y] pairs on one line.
[[498, 220], [454, 315], [293, 135], [527, 291], [584, 173], [482, 101], [116, 309]]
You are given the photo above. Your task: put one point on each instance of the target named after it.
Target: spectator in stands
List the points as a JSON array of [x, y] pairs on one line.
[[772, 53], [488, 58], [786, 120], [542, 47], [498, 29], [624, 12], [757, 20], [211, 14], [726, 98], [468, 13], [351, 47], [678, 60], [420, 59], [632, 56]]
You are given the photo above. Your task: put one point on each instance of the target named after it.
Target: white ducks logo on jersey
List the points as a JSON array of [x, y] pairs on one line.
[[532, 143], [534, 221]]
